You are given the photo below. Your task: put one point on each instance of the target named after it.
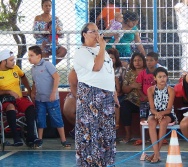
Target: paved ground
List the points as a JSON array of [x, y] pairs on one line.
[[53, 154]]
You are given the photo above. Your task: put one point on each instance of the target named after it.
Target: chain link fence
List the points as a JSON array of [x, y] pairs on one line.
[[17, 18]]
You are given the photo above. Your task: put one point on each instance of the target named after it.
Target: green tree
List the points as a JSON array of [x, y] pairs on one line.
[[9, 16]]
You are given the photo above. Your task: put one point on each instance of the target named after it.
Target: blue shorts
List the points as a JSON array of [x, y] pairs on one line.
[[54, 111], [144, 110]]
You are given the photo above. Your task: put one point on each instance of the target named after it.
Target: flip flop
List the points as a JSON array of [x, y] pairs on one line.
[[138, 142], [65, 144], [154, 161], [125, 141], [149, 158]]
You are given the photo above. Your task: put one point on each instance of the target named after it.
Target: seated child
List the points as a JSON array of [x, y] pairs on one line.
[[116, 24], [161, 99], [47, 44]]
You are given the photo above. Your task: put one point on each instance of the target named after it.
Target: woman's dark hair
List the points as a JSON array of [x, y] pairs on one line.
[[128, 15], [116, 55], [132, 60], [84, 30], [45, 1], [160, 69], [36, 49]]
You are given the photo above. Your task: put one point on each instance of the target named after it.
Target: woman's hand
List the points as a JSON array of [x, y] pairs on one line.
[[101, 41]]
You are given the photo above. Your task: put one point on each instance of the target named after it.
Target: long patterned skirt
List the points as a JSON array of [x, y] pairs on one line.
[[95, 127]]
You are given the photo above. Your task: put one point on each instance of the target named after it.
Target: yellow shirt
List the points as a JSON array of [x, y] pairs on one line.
[[10, 80]]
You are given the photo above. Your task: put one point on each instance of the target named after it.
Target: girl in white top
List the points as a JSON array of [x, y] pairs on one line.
[[161, 98], [182, 23], [95, 112]]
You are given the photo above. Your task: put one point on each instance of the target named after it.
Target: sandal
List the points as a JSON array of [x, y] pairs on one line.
[[154, 161], [65, 144], [125, 140], [149, 158], [138, 142]]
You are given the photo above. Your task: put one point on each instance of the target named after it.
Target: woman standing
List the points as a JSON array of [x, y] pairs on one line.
[[130, 87], [40, 24], [95, 113], [181, 10]]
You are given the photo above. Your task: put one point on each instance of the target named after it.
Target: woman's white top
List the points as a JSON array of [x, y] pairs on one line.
[[181, 16], [83, 64]]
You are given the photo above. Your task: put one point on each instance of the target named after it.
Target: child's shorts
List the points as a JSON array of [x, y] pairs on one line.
[[144, 110], [54, 111]]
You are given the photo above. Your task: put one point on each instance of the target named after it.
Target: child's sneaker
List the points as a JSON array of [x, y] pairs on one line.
[[38, 143], [65, 144]]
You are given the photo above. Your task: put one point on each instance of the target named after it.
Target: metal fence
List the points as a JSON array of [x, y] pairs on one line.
[[158, 22]]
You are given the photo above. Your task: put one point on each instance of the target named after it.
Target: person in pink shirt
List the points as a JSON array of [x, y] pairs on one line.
[[146, 79]]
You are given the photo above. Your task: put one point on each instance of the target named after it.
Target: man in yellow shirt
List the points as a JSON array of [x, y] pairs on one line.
[[10, 77]]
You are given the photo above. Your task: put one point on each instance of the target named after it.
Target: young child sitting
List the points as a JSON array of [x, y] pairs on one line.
[[47, 44], [161, 98], [116, 24]]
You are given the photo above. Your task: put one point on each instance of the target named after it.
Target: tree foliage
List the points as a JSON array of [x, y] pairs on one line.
[[9, 16]]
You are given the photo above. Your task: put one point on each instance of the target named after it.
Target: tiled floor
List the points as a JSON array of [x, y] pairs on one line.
[[53, 155]]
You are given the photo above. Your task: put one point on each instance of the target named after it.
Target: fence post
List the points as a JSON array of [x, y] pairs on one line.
[[53, 34], [155, 26]]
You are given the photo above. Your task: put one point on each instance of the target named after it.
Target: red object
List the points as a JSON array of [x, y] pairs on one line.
[[56, 37], [179, 90], [21, 104]]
